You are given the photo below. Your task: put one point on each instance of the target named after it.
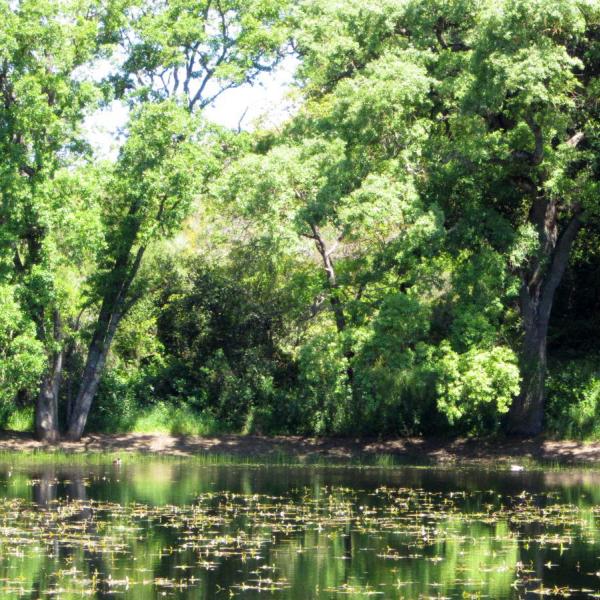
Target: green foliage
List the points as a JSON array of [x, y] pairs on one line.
[[325, 394], [177, 420], [574, 399], [22, 358], [198, 49], [477, 386], [156, 177], [377, 265], [21, 419], [126, 402]]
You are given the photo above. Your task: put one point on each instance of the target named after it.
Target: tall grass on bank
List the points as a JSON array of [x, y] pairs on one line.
[[178, 420], [274, 459]]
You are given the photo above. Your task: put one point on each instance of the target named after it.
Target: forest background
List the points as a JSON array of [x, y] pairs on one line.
[[413, 251]]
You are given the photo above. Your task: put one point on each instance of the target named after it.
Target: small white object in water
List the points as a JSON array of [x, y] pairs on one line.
[[517, 468]]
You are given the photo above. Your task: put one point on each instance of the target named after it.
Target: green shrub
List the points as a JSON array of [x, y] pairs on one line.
[[116, 406], [22, 357], [21, 419], [324, 388], [573, 399], [476, 387]]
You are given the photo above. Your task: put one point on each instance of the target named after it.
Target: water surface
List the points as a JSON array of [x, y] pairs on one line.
[[167, 529]]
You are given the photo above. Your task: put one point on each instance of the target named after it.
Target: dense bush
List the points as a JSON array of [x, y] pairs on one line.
[[22, 357], [573, 401]]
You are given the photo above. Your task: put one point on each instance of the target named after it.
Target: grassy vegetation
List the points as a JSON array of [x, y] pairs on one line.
[[179, 420], [60, 456], [21, 419]]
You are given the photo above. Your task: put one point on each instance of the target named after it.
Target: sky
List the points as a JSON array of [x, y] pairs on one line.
[[266, 102]]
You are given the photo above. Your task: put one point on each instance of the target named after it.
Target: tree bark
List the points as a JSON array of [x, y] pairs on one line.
[[114, 307], [538, 286], [537, 296], [92, 372], [46, 410], [527, 410], [325, 254]]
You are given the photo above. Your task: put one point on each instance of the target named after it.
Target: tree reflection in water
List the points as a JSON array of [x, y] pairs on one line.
[[186, 531]]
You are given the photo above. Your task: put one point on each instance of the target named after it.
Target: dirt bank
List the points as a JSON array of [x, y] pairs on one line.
[[305, 448]]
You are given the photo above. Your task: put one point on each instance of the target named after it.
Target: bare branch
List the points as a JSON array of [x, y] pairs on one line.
[[574, 140], [239, 125]]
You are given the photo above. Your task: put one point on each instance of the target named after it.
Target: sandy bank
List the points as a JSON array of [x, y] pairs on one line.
[[308, 448]]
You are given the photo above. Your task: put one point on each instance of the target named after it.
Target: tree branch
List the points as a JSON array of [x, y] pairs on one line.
[[574, 140], [560, 259], [439, 30]]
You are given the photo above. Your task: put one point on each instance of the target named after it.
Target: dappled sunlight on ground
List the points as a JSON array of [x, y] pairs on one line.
[[308, 448]]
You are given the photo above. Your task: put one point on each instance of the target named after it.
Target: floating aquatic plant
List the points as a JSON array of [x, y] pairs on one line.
[[87, 533]]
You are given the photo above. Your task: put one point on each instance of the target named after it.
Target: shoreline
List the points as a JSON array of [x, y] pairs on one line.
[[424, 451]]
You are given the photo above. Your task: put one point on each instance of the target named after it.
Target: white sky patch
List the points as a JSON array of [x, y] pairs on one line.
[[266, 104], [102, 130]]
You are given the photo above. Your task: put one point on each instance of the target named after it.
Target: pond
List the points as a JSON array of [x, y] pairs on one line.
[[176, 529]]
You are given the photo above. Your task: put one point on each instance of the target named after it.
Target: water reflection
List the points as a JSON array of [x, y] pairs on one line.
[[174, 529]]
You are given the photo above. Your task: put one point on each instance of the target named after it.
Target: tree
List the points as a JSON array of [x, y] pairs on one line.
[[43, 102], [510, 132], [394, 250], [186, 52], [197, 49], [146, 195], [338, 187], [530, 105]]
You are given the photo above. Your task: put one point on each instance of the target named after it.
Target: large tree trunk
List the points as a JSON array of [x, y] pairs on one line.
[[46, 410], [527, 411], [538, 286], [92, 372], [114, 306], [537, 296]]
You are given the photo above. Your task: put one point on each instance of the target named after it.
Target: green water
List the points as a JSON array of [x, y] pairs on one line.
[[178, 530]]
